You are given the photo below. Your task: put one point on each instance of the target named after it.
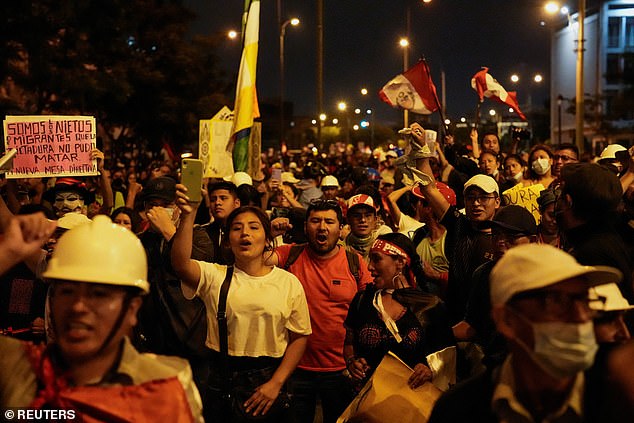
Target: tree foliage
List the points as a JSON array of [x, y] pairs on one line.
[[127, 62]]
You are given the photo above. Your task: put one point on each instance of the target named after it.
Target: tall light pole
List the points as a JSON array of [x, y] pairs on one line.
[[320, 65], [579, 105], [294, 22], [404, 43]]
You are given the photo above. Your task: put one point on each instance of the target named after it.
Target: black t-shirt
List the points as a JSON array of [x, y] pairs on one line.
[[372, 339], [466, 248]]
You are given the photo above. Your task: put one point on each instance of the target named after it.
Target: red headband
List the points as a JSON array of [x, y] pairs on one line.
[[382, 246]]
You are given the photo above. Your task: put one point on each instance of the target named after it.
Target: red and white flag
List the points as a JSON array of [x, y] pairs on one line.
[[487, 86], [412, 90]]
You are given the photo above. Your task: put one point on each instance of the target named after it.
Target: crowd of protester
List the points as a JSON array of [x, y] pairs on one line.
[[278, 295]]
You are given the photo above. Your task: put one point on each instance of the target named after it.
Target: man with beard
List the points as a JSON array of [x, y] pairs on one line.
[[327, 273]]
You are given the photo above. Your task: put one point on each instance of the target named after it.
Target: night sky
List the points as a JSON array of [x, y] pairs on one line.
[[361, 48]]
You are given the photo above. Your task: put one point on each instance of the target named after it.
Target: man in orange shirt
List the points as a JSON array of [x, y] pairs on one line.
[[325, 270]]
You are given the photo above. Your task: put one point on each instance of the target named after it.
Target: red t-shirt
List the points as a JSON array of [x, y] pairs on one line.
[[330, 287]]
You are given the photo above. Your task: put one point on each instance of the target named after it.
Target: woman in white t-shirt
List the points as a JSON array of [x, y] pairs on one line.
[[267, 315]]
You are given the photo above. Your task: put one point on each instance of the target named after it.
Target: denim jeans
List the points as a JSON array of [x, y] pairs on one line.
[[332, 388]]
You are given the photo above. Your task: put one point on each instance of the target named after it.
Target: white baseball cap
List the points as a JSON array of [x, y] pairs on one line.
[[613, 299], [239, 178], [484, 182], [533, 266], [289, 178]]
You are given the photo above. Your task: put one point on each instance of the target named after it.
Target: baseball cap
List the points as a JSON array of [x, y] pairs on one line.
[[514, 218], [484, 182], [528, 267], [613, 299], [391, 153], [239, 178], [361, 200], [329, 181], [162, 188], [289, 178], [444, 189]]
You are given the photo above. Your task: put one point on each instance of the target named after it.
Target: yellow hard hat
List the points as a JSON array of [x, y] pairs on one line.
[[100, 252]]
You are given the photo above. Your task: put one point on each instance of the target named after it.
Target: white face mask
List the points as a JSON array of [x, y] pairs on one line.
[[563, 349], [541, 166]]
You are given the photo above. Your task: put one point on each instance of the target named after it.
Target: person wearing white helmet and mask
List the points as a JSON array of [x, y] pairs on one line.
[[92, 371]]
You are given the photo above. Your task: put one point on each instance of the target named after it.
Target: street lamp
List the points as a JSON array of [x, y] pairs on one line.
[[364, 91], [232, 34], [404, 43], [553, 7], [293, 22]]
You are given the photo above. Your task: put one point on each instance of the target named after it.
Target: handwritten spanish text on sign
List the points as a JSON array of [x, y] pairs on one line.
[[51, 145], [525, 197]]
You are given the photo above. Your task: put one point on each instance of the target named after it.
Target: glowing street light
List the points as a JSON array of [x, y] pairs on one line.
[[404, 43], [232, 34], [538, 78], [335, 121], [293, 22], [515, 77], [322, 117], [342, 105], [492, 112], [357, 111], [364, 91], [553, 7]]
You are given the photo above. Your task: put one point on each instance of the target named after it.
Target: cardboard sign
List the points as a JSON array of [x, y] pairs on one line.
[[387, 398], [51, 145], [525, 197], [214, 135]]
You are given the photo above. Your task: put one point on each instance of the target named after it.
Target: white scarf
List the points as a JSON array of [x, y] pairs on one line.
[[389, 322]]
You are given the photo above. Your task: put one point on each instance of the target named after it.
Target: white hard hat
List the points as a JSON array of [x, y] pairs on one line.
[[609, 152], [100, 252], [329, 181]]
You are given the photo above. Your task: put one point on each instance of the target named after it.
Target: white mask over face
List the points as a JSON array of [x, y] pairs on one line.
[[563, 349], [541, 166], [66, 202]]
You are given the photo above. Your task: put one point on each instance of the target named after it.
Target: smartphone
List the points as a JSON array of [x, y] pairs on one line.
[[192, 178], [276, 174]]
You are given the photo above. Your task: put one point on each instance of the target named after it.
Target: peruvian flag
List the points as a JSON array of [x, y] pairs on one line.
[[412, 90], [487, 86]]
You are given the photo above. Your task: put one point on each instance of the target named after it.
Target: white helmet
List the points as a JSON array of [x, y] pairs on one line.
[[609, 152], [329, 181], [100, 252]]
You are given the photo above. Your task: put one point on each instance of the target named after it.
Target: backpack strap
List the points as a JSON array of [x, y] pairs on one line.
[[353, 264], [293, 255], [419, 235]]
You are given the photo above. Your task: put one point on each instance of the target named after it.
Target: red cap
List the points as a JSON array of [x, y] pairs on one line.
[[444, 189]]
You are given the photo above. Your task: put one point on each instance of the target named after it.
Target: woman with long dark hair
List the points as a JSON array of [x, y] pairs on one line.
[[266, 315]]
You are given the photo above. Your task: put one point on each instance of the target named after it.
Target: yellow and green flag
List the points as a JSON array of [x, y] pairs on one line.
[[246, 106]]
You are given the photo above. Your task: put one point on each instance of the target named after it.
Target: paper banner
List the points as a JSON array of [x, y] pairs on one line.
[[51, 145], [525, 197]]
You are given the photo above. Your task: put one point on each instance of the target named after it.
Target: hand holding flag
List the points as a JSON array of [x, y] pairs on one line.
[[487, 86]]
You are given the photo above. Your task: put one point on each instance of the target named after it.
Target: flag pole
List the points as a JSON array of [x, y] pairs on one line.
[[477, 115], [440, 112]]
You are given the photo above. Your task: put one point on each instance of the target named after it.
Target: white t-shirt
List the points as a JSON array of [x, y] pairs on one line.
[[260, 310]]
